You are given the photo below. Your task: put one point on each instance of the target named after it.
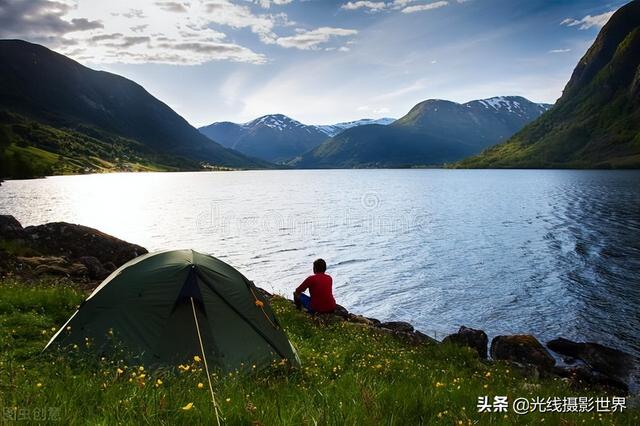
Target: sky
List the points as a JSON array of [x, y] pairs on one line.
[[318, 61]]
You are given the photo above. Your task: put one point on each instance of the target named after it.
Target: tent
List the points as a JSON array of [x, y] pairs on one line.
[[167, 307]]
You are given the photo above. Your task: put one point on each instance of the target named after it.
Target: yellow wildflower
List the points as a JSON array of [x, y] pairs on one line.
[[119, 370], [39, 385], [200, 385], [188, 407], [196, 358]]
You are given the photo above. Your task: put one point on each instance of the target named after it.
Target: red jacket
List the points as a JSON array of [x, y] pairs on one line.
[[320, 289]]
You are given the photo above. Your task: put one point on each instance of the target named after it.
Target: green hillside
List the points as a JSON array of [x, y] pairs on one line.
[[57, 116], [596, 122]]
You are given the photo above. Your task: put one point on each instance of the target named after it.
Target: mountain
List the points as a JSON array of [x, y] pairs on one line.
[[596, 122], [333, 129], [57, 116], [273, 137], [432, 133]]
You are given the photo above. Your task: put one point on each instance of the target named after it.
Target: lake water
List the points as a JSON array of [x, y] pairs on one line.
[[553, 253]]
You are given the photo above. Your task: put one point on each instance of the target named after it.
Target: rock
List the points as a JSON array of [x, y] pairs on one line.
[[375, 321], [95, 269], [475, 339], [396, 326], [54, 265], [72, 270], [522, 348], [75, 241], [420, 337], [610, 362], [360, 320], [341, 311], [36, 261], [10, 228], [582, 376], [109, 266]]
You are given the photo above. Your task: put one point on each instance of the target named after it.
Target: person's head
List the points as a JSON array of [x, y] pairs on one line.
[[319, 266]]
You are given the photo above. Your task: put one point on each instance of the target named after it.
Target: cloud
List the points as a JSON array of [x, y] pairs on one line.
[[307, 40], [560, 51], [373, 6], [423, 7], [40, 20], [373, 110], [589, 21], [224, 12], [403, 5], [415, 87], [171, 6], [172, 32], [267, 3], [134, 13]]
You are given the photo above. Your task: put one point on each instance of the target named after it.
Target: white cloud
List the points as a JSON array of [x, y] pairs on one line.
[[267, 3], [307, 40], [560, 51], [589, 21], [174, 32], [423, 7], [377, 6], [373, 6], [417, 86]]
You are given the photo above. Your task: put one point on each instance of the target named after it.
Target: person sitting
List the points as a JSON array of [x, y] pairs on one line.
[[320, 288]]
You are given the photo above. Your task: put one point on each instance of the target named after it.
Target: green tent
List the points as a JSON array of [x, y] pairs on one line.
[[150, 306]]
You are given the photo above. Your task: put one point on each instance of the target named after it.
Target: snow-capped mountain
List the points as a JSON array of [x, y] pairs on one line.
[[432, 132], [273, 137], [517, 105], [334, 129]]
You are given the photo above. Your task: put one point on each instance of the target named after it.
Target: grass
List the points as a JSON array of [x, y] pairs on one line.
[[29, 149], [350, 375]]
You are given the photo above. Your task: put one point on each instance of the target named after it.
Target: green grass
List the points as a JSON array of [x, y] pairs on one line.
[[350, 375], [29, 148]]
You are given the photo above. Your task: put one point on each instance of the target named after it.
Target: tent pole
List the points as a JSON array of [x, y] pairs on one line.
[[206, 366]]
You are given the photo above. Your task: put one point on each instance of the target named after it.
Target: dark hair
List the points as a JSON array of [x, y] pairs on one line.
[[319, 266]]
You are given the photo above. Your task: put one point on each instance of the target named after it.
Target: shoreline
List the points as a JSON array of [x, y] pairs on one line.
[[444, 167], [85, 256]]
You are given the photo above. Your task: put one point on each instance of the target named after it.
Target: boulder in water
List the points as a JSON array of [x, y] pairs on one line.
[[608, 361]]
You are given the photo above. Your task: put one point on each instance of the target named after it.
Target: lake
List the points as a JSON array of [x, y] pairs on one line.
[[553, 253]]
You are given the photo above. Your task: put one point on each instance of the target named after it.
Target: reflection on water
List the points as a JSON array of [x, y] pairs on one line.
[[547, 252]]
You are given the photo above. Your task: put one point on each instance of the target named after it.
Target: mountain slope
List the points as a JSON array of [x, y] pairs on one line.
[[432, 133], [596, 122], [273, 137], [333, 129], [54, 104]]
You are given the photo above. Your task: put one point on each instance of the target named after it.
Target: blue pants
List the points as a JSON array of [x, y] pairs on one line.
[[306, 302]]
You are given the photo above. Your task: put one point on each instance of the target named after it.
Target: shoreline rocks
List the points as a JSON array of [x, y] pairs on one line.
[[472, 338], [62, 249], [521, 348], [599, 358]]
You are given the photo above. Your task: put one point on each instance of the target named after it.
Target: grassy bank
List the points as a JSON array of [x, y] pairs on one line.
[[351, 374]]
